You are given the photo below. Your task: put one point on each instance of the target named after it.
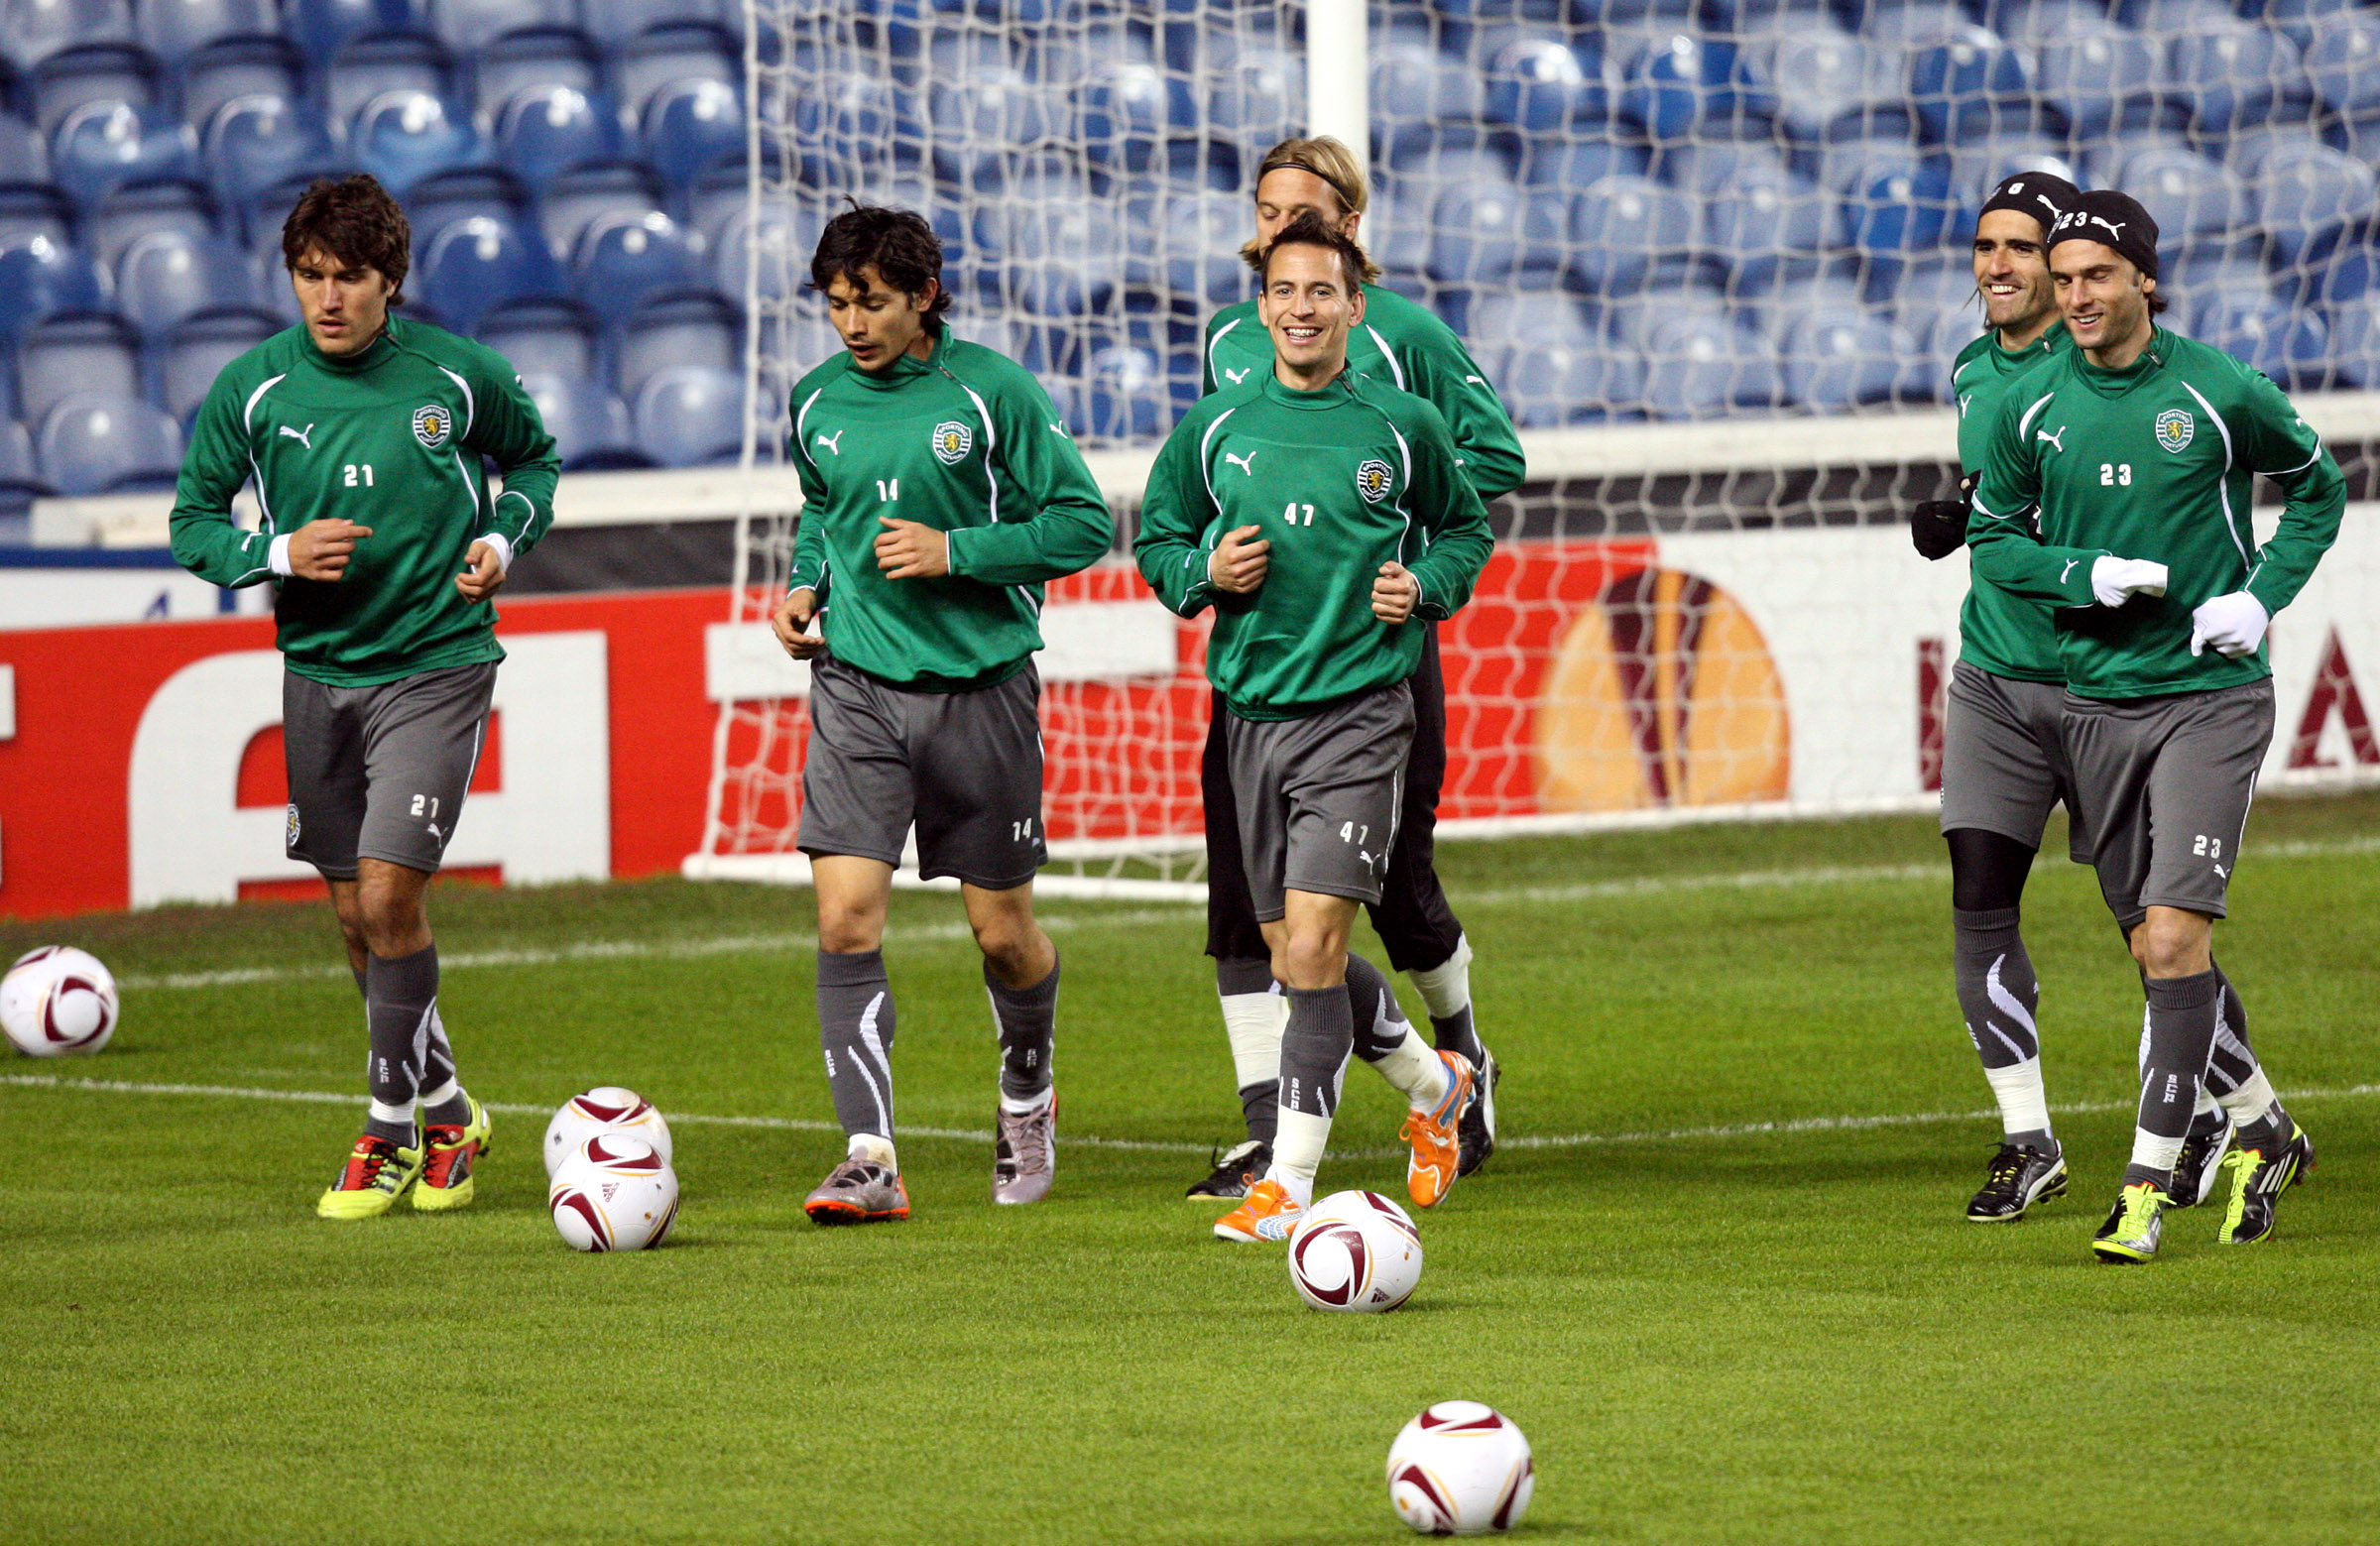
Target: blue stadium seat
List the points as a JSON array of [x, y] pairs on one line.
[[1423, 172], [679, 327], [27, 210], [403, 136], [23, 155], [1063, 253], [2349, 274], [575, 199], [94, 443], [1527, 317], [666, 56], [846, 128], [545, 131], [239, 68], [2039, 22], [617, 22], [2195, 201], [691, 415], [168, 275], [552, 338], [1770, 317], [542, 57], [1566, 162], [1767, 227], [2190, 276], [1823, 83], [1632, 319], [1259, 96], [2238, 77], [468, 25], [80, 351], [20, 480], [590, 427], [102, 147], [1905, 25], [2165, 18], [1904, 210], [1196, 253], [257, 143], [1414, 87], [1924, 291], [201, 346], [271, 273], [1124, 393], [1536, 83], [40, 278], [479, 262], [371, 67], [2104, 79], [435, 203], [1940, 336], [1681, 89], [781, 240], [972, 121], [2343, 64], [108, 73], [174, 29], [691, 126], [1557, 383], [1714, 168], [2308, 197], [2355, 342], [622, 257], [2290, 345], [1124, 110], [1491, 232], [2302, 20], [1837, 360], [148, 209], [321, 28], [31, 31], [1627, 233], [1699, 366], [1971, 84]]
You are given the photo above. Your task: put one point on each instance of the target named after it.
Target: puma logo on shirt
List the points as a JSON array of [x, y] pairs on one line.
[[1237, 376], [1241, 463], [830, 441], [301, 436], [2054, 439]]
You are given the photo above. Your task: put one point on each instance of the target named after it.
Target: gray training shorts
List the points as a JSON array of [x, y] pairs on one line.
[[380, 773], [964, 767], [1319, 796], [2166, 785], [2003, 758]]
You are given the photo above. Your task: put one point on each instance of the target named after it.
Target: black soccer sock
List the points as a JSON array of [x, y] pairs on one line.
[[855, 1031], [2181, 1014], [1998, 996], [1377, 1022], [401, 995], [1315, 1048], [1028, 1019], [1261, 1107], [1455, 1034]]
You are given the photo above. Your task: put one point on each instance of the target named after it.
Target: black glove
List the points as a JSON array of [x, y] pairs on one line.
[[1938, 528]]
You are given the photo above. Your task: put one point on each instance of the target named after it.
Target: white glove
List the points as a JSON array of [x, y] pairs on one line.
[[2233, 624], [2113, 580]]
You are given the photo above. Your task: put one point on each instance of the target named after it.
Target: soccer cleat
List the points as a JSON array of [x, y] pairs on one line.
[[2195, 1167], [1024, 1158], [1433, 1134], [376, 1174], [2133, 1226], [1266, 1213], [1235, 1170], [857, 1191], [447, 1180], [1477, 1130], [2020, 1176], [2257, 1184]]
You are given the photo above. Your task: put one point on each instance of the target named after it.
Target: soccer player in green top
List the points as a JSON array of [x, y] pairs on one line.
[[1402, 345], [1325, 517], [939, 491], [364, 434], [2136, 450]]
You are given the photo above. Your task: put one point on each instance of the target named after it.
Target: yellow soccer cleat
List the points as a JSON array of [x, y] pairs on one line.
[[375, 1176], [454, 1151]]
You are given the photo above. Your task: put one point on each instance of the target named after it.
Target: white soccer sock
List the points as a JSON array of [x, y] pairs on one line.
[[441, 1095], [1298, 1152], [867, 1145], [1254, 1023], [1030, 1104], [402, 1115], [1417, 1072], [2253, 1101], [2024, 1104], [1446, 987], [2154, 1152]]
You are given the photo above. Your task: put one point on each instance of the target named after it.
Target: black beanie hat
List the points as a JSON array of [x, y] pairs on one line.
[[2114, 219], [2044, 195]]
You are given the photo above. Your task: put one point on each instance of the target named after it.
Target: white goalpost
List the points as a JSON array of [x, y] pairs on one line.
[[1718, 276]]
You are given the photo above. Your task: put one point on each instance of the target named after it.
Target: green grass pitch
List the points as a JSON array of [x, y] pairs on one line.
[[1719, 1274]]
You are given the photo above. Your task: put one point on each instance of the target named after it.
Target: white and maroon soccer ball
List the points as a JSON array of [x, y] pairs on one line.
[[1358, 1259], [1461, 1469], [58, 999], [1341, 1206], [617, 1193], [606, 1107]]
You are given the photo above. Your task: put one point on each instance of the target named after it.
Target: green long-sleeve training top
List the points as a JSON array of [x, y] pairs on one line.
[[1999, 630], [389, 437], [966, 442], [2153, 461], [1340, 481]]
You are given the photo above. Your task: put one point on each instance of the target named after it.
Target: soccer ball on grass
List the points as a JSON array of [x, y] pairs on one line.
[[58, 999], [616, 1193], [604, 1108], [1461, 1469], [1355, 1250]]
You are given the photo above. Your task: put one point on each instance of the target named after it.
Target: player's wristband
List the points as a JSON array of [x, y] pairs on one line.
[[502, 547], [277, 557]]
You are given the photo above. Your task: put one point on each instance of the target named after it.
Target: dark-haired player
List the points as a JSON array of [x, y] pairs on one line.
[[1406, 346], [939, 491], [364, 434], [2140, 443], [1325, 517]]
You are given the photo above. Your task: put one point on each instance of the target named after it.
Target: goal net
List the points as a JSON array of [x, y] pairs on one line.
[[1710, 255]]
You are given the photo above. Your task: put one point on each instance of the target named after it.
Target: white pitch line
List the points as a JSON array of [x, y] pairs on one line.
[[1739, 1129], [793, 942]]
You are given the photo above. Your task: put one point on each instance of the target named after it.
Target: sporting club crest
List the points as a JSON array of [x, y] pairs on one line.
[[952, 441], [2175, 426], [289, 836], [432, 425], [1373, 479]]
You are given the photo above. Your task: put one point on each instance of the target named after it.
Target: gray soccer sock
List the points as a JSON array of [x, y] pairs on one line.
[[1027, 1021], [1377, 1020], [2182, 1016], [1314, 1049], [1455, 1034], [401, 995], [855, 1030], [1998, 996], [2233, 1063], [1260, 1105]]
